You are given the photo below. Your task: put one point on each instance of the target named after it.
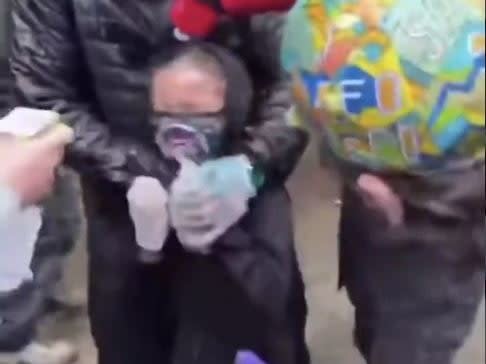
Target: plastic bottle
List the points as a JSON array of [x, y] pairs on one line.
[[18, 237], [187, 184]]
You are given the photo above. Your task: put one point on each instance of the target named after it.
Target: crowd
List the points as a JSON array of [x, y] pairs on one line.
[[179, 130]]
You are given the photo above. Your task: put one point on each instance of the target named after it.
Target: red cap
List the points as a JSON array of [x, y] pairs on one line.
[[252, 7], [194, 18]]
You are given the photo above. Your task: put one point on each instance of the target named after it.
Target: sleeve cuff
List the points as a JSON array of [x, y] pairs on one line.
[[257, 176]]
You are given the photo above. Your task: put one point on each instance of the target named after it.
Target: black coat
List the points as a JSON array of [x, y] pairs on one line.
[[87, 60], [5, 86]]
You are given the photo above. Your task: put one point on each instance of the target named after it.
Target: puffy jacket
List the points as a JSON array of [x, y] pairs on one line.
[[5, 88], [87, 60]]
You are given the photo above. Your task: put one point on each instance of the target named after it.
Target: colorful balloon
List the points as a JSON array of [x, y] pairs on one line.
[[393, 84]]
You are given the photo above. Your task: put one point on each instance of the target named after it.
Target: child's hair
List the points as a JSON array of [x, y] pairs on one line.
[[192, 56], [223, 65]]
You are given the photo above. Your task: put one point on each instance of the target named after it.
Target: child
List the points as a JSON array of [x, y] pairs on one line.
[[243, 290]]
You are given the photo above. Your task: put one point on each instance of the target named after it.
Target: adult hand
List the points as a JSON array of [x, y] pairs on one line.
[[207, 200], [147, 201], [28, 166], [379, 196]]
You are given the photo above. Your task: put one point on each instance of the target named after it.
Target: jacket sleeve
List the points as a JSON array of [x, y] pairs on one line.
[[47, 64], [271, 142]]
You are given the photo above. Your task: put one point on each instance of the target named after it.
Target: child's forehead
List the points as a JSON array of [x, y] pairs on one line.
[[194, 60], [168, 80], [187, 87]]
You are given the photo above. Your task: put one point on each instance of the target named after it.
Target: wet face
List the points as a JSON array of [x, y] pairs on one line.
[[184, 89], [188, 104]]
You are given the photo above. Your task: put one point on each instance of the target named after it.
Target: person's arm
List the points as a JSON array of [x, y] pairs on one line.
[[259, 252], [271, 143], [49, 72]]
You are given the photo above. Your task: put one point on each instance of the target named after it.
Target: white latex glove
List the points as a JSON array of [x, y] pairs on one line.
[[207, 200], [147, 200]]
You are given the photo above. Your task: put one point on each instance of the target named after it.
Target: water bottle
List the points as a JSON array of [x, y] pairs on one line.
[[19, 233], [188, 183]]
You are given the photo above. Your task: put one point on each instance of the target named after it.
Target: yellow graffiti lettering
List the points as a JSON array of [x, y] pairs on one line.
[[388, 93], [478, 44]]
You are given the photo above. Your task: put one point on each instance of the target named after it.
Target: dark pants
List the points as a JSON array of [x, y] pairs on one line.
[[415, 304], [63, 220], [218, 319], [21, 310], [129, 303], [167, 313], [19, 313]]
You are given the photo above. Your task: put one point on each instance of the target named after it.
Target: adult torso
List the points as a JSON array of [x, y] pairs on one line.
[[117, 38]]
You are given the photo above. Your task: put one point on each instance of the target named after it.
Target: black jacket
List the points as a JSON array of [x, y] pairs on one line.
[[87, 60], [5, 87]]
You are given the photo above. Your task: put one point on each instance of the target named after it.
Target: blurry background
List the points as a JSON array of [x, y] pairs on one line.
[[314, 192]]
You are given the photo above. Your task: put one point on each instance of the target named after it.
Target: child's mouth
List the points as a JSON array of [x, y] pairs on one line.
[[184, 146]]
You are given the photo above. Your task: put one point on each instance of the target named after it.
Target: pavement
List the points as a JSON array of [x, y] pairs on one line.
[[330, 322]]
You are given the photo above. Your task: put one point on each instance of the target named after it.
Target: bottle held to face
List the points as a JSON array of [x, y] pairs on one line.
[[188, 102]]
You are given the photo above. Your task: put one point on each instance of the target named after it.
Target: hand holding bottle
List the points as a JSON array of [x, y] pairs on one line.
[[147, 201], [28, 165]]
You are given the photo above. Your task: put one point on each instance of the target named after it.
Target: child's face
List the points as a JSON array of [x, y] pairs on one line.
[[187, 90], [188, 106]]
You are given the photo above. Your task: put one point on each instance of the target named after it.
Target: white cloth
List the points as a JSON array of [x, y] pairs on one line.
[[25, 122]]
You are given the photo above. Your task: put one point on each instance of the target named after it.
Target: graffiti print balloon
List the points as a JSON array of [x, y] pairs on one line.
[[393, 84]]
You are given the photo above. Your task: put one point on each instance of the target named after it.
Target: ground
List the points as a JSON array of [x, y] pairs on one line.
[[330, 322]]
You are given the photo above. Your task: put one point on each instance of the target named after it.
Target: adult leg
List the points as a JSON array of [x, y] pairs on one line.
[[19, 311], [415, 304], [423, 317], [298, 312], [19, 314], [61, 230]]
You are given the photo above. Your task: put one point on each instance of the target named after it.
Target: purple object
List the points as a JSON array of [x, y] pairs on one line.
[[247, 357]]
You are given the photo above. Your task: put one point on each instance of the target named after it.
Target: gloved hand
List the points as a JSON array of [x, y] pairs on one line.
[[207, 200], [147, 201], [247, 357]]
